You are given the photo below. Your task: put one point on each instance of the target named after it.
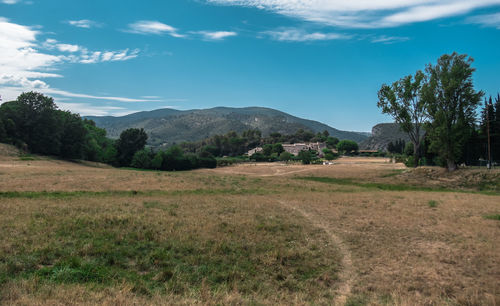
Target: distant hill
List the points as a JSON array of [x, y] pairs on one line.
[[175, 126], [382, 135]]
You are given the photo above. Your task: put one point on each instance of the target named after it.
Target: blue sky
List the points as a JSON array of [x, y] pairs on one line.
[[319, 59]]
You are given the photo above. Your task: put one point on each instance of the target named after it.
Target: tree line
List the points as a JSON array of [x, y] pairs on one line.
[[34, 123], [233, 144], [437, 108]]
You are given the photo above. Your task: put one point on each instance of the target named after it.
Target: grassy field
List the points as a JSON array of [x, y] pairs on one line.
[[362, 231]]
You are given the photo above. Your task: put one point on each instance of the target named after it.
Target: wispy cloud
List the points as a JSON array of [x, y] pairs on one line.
[[488, 20], [149, 27], [364, 13], [10, 1], [85, 109], [86, 56], [68, 94], [300, 35], [24, 62], [215, 35], [389, 39], [84, 23]]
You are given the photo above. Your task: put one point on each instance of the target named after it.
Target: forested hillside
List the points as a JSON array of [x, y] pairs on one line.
[[168, 126]]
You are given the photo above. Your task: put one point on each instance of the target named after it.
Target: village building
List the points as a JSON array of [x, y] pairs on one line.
[[295, 148], [253, 151]]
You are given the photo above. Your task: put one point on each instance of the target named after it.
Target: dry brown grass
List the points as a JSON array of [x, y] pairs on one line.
[[401, 251]]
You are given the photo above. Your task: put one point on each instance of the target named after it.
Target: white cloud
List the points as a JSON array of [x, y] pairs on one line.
[[68, 94], [364, 13], [24, 63], [489, 20], [217, 35], [86, 56], [152, 27], [389, 39], [19, 58], [85, 109], [10, 1], [300, 35], [68, 48], [84, 23]]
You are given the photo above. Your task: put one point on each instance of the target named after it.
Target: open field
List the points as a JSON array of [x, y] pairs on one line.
[[362, 231]]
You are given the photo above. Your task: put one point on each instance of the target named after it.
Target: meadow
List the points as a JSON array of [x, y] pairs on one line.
[[360, 232]]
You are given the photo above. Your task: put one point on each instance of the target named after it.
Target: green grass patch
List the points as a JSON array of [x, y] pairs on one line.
[[27, 157], [393, 172], [391, 187], [257, 255], [493, 217], [432, 204], [69, 194]]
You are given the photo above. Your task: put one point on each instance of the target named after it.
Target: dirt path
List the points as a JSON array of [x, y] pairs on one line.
[[347, 275], [280, 172], [276, 171]]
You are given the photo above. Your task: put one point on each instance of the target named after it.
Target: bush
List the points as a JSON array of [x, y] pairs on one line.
[[330, 155], [142, 159], [259, 157], [410, 161], [207, 162], [305, 157], [157, 161], [286, 156], [408, 149]]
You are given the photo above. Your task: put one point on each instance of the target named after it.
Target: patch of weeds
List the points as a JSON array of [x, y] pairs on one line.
[[393, 173], [357, 300], [386, 299], [391, 187], [69, 194], [253, 254], [493, 217], [26, 158], [432, 204], [152, 204], [172, 209], [273, 224]]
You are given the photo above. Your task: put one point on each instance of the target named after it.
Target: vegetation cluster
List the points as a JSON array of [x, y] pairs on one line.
[[35, 124], [437, 108]]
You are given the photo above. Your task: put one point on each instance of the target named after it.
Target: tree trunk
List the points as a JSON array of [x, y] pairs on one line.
[[452, 166], [416, 154]]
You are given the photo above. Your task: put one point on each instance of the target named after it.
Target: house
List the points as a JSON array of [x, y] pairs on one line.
[[295, 148], [253, 151]]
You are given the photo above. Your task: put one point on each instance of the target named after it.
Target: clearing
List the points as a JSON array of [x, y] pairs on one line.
[[361, 231]]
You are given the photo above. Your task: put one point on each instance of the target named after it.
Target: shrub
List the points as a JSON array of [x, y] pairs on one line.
[[286, 156], [305, 157], [142, 159], [410, 161]]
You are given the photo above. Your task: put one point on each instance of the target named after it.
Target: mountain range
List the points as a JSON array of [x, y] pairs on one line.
[[168, 126]]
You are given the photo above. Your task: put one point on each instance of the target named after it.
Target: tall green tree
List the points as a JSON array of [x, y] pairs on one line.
[[36, 122], [130, 141], [347, 146], [73, 135], [451, 106], [405, 102]]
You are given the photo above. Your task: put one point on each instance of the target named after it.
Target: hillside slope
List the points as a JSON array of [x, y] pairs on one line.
[[382, 135], [174, 126]]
